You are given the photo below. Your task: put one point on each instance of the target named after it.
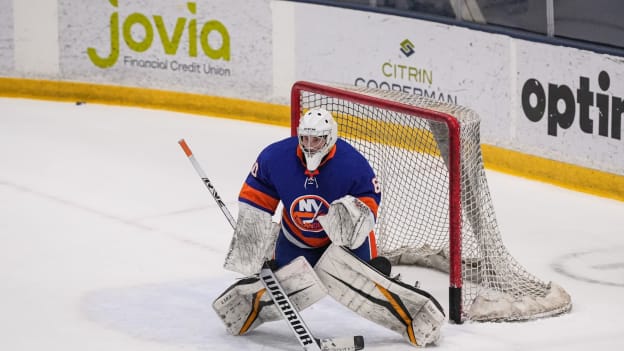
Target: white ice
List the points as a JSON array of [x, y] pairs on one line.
[[109, 241]]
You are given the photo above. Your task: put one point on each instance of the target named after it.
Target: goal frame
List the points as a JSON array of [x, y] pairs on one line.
[[455, 211]]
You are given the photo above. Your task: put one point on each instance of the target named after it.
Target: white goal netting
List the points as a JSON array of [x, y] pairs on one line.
[[408, 145]]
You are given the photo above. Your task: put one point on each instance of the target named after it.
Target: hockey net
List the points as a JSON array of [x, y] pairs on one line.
[[436, 209]]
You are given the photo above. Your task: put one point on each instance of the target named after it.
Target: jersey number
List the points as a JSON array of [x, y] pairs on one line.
[[254, 170], [376, 185]]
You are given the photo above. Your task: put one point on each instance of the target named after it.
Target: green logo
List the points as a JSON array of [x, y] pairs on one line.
[[170, 41], [407, 48]]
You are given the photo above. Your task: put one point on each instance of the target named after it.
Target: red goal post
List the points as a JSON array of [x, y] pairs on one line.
[[436, 209], [455, 278]]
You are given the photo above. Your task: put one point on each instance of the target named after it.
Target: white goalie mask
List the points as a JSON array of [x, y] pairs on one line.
[[317, 134]]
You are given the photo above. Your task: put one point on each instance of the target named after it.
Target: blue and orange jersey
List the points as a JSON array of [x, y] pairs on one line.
[[279, 173]]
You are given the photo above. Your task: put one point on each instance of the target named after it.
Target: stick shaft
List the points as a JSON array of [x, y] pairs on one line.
[[288, 310], [207, 182]]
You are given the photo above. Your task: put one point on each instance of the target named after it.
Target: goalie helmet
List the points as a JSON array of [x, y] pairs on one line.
[[317, 134]]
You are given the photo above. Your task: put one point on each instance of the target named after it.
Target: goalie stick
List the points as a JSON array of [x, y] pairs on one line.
[[275, 290]]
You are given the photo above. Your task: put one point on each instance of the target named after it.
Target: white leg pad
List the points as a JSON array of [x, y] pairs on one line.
[[409, 311], [246, 305]]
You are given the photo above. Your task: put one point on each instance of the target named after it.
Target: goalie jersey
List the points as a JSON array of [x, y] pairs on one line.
[[279, 173]]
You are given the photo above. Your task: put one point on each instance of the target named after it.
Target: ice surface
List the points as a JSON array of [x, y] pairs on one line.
[[109, 241]]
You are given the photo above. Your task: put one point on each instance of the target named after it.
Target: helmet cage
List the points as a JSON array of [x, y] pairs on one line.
[[317, 133]]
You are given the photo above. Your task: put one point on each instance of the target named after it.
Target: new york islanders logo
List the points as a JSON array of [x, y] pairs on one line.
[[305, 210]]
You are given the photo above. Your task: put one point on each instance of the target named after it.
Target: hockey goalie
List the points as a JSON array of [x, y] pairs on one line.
[[325, 243]]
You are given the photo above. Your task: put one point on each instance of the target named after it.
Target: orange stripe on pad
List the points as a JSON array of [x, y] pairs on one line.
[[254, 312], [404, 315]]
